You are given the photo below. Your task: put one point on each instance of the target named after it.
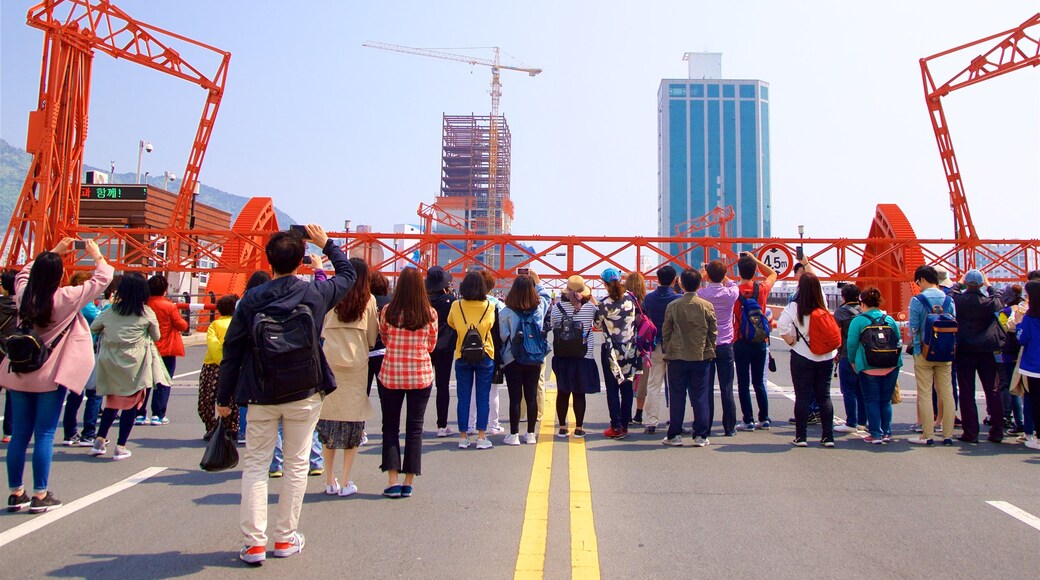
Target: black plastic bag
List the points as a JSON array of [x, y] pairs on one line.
[[221, 453]]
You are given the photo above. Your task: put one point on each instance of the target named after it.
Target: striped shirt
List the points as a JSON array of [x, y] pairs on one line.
[[586, 316]]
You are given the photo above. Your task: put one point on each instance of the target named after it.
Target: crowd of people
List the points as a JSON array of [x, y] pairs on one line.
[[289, 366]]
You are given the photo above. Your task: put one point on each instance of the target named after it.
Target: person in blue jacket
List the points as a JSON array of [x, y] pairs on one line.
[[1028, 332]]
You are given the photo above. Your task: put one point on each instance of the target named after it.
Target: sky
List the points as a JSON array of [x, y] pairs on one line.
[[334, 131]]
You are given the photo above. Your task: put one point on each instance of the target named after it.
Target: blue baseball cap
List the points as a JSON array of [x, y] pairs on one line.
[[973, 278], [611, 275]]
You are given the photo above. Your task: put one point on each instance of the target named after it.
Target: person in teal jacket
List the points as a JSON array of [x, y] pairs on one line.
[[878, 384]]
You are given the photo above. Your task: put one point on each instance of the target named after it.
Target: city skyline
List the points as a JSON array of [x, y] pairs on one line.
[[333, 131]]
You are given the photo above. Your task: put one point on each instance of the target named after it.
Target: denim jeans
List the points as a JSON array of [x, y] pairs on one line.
[[316, 460], [750, 361], [1013, 407], [723, 367], [467, 376], [70, 417], [242, 411], [689, 379], [390, 402], [877, 396], [619, 396], [35, 416], [812, 378], [851, 394]]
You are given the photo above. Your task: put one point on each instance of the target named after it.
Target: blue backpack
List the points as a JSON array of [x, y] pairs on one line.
[[939, 336], [528, 344], [754, 326]]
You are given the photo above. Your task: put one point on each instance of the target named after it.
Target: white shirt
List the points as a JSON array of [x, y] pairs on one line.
[[788, 323]]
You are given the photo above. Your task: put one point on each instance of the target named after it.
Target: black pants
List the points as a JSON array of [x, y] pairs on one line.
[[1034, 400], [982, 363], [562, 399], [442, 363], [375, 364], [70, 419], [391, 401], [8, 429], [522, 382], [126, 424], [812, 379]]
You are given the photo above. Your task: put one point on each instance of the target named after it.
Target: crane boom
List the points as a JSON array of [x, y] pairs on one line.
[[1016, 50], [496, 203]]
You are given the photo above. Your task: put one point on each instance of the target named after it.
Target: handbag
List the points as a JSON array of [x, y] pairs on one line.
[[221, 453], [897, 397], [1018, 381]]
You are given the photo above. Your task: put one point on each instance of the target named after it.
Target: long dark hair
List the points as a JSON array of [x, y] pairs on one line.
[[37, 302], [522, 295], [614, 289], [133, 294], [409, 308], [1033, 292], [810, 295], [257, 278], [356, 299]]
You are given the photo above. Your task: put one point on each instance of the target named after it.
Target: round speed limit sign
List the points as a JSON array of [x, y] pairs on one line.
[[778, 258]]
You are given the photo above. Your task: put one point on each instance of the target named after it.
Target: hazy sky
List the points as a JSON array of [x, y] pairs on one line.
[[332, 130]]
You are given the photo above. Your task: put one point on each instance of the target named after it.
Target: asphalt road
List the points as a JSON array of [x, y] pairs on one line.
[[746, 506]]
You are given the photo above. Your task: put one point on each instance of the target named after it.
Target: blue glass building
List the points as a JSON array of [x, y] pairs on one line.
[[713, 149]]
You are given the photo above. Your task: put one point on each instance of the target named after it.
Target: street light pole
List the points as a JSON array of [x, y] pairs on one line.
[[142, 146]]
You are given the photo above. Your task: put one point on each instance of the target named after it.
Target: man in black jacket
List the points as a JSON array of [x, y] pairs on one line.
[[979, 336], [296, 408], [8, 323]]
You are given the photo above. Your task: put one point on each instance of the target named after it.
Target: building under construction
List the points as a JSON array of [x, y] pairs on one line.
[[475, 176]]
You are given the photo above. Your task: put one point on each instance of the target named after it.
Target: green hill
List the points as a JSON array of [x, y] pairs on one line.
[[14, 165]]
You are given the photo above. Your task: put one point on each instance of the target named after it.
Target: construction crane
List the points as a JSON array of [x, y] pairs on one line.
[[1017, 48], [495, 201], [719, 216]]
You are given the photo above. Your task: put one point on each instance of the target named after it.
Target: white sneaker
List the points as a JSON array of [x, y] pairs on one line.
[[838, 421], [530, 438], [349, 489], [364, 438], [464, 442], [121, 453], [1033, 443], [471, 431], [497, 430], [445, 432], [483, 443], [512, 439], [99, 448], [701, 442], [332, 489], [674, 441], [843, 428]]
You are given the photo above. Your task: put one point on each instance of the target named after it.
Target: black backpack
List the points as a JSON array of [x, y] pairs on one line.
[[569, 337], [880, 343], [287, 353], [472, 342], [27, 351]]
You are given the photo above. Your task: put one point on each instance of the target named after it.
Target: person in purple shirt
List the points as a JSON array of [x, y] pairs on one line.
[[722, 292], [655, 304]]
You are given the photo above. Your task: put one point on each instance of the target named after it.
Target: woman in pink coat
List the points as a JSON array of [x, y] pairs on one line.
[[36, 397]]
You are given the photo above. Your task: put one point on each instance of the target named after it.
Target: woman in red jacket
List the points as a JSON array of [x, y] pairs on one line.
[[170, 344]]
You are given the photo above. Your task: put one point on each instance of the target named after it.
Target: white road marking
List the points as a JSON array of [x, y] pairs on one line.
[[1017, 513], [187, 374], [72, 507]]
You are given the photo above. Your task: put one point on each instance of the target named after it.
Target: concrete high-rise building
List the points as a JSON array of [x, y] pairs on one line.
[[713, 149]]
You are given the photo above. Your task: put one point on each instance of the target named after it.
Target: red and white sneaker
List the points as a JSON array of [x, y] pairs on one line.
[[253, 555], [286, 549]]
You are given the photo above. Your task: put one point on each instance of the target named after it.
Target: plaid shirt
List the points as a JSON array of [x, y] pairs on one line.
[[407, 361]]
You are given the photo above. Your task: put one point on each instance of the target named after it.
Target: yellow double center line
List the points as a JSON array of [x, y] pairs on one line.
[[530, 561]]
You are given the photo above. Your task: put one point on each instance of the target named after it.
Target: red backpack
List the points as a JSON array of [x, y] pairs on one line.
[[824, 334]]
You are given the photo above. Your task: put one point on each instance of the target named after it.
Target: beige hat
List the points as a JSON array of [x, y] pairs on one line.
[[577, 284], [944, 276]]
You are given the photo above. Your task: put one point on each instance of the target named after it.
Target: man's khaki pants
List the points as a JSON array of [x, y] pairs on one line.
[[298, 421], [654, 379], [942, 373]]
